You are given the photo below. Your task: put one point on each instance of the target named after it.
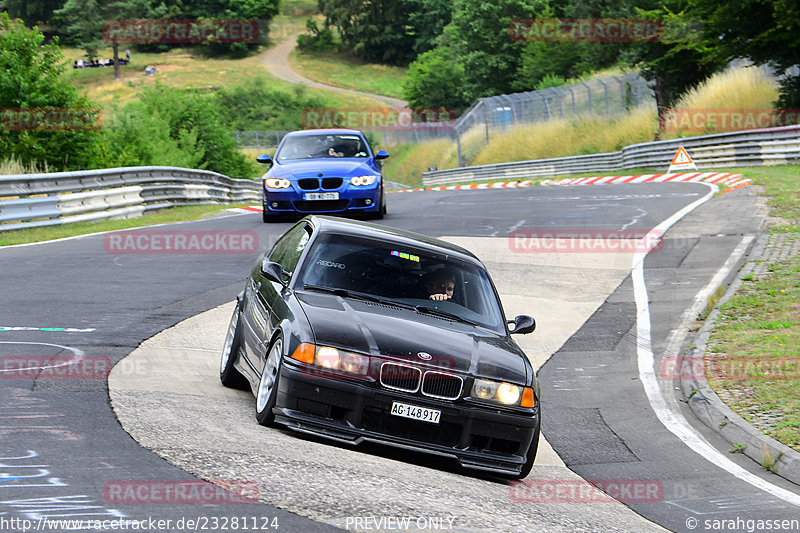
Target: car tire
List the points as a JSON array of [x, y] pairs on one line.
[[377, 215], [530, 456], [228, 375], [267, 392]]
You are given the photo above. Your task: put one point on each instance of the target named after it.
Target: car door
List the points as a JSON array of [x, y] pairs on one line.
[[264, 306]]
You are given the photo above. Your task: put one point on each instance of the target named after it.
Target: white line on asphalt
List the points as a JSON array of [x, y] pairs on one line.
[[672, 419], [74, 237], [78, 356]]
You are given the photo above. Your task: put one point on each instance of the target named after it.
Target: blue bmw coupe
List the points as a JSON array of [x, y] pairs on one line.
[[324, 171]]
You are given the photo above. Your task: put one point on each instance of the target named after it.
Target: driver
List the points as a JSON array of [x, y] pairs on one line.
[[440, 284]]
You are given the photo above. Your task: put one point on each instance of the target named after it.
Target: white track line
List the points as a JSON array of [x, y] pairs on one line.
[[672, 419]]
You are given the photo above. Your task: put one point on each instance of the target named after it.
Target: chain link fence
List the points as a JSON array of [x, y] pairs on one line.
[[606, 97]]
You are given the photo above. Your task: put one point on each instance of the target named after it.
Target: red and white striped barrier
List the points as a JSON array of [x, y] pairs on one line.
[[730, 181]]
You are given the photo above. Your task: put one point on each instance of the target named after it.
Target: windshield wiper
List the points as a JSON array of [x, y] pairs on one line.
[[443, 314], [344, 293]]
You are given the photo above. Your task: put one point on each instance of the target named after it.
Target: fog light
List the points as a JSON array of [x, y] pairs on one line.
[[274, 204], [368, 201]]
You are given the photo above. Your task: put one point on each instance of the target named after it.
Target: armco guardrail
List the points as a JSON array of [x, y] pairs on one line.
[[32, 200], [770, 146]]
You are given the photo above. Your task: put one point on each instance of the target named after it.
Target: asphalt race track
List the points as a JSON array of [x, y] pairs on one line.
[[84, 304]]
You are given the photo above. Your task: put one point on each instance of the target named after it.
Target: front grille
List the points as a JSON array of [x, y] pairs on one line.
[[332, 183], [315, 206], [380, 421], [308, 184], [400, 377], [441, 385]]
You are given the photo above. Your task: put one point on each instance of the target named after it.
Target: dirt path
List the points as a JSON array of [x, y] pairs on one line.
[[276, 60]]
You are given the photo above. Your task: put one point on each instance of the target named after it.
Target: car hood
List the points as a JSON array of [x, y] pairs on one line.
[[327, 167], [397, 333]]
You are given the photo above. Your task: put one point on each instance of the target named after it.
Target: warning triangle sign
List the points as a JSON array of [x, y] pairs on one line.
[[681, 161]]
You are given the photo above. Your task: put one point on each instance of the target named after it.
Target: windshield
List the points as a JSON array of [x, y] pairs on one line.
[[322, 146], [423, 281]]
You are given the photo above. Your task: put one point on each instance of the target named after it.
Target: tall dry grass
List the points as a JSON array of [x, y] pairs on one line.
[[562, 137], [730, 100], [13, 166], [408, 162]]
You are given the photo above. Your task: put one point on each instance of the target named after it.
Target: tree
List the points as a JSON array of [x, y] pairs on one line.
[[427, 19], [374, 30], [34, 80], [32, 12], [83, 22], [682, 59], [480, 39], [436, 79], [764, 31]]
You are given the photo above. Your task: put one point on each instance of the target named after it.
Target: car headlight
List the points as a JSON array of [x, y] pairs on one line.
[[502, 392], [331, 358], [278, 183], [360, 181]]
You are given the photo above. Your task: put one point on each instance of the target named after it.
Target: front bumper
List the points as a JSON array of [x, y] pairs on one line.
[[351, 411], [350, 200]]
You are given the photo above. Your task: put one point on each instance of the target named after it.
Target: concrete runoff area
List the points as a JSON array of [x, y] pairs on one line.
[[167, 395]]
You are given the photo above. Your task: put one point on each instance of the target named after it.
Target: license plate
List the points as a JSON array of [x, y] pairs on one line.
[[321, 196], [416, 413]]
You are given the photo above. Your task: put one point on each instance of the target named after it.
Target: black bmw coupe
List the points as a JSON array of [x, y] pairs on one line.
[[359, 332]]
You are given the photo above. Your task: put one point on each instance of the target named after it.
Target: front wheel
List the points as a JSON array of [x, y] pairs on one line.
[[530, 456], [377, 215], [268, 384], [265, 214], [228, 375]]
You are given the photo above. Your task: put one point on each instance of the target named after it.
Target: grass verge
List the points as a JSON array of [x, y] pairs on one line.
[[753, 361], [347, 72], [174, 214]]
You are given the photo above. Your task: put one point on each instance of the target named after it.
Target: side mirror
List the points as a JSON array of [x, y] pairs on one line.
[[523, 324], [265, 159], [274, 272], [382, 154]]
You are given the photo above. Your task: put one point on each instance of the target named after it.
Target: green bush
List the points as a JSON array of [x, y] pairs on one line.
[[174, 127], [255, 105], [316, 40]]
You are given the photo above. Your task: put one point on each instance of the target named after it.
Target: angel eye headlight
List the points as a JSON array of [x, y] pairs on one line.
[[278, 183], [360, 181]]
